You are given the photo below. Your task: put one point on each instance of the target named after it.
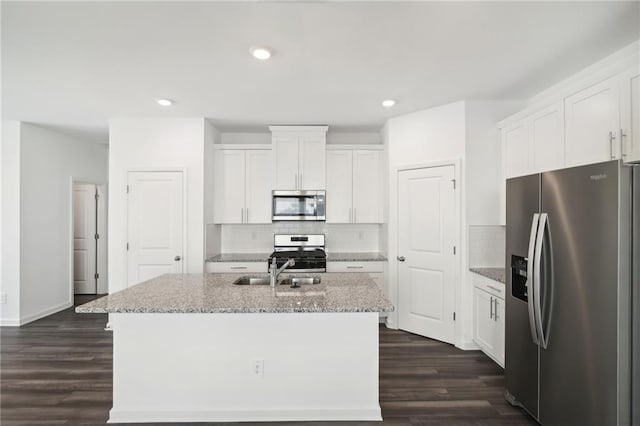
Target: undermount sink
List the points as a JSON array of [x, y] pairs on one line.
[[290, 280]]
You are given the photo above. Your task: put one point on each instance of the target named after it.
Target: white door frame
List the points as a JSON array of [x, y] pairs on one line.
[[392, 319], [102, 247], [185, 211]]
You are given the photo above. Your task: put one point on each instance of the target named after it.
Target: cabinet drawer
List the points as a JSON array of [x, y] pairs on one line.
[[355, 267], [495, 288], [237, 267]]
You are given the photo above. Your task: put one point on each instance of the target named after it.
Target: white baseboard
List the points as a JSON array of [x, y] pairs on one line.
[[276, 415], [467, 345], [44, 313], [10, 322]]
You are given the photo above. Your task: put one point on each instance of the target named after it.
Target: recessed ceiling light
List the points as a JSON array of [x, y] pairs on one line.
[[388, 103], [165, 102], [261, 53]]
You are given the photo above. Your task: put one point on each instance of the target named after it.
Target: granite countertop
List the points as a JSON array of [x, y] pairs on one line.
[[216, 293], [331, 257], [356, 257], [496, 274], [239, 257]]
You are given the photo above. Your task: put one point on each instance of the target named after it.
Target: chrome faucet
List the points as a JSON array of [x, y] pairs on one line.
[[274, 272]]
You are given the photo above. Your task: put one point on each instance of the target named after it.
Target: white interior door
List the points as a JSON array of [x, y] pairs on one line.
[[84, 242], [339, 186], [426, 260], [154, 225]]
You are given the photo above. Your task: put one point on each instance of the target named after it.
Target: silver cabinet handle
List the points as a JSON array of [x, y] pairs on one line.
[[623, 136], [354, 215], [491, 308], [238, 267], [241, 214], [494, 288], [612, 137], [530, 277], [536, 278], [296, 184], [400, 258], [495, 310], [177, 258], [246, 215], [355, 267]]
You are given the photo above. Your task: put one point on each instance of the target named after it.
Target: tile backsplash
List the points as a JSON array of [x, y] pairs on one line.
[[339, 237], [486, 246]]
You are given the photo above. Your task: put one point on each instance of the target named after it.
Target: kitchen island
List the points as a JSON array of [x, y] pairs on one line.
[[196, 347]]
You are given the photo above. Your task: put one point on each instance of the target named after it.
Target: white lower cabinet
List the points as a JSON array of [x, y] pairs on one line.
[[488, 312], [237, 267]]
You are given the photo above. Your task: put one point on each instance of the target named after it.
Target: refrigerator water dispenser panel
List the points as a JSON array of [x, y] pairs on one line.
[[519, 277]]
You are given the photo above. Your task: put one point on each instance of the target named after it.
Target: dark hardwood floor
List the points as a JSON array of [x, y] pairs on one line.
[[58, 371]]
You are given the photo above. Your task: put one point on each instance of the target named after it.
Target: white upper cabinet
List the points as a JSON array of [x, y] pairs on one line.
[[515, 143], [367, 186], [243, 185], [259, 179], [299, 157], [630, 115], [592, 120], [354, 187], [339, 186], [229, 186], [546, 129]]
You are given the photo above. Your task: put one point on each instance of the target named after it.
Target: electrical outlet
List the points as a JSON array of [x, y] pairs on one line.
[[258, 368], [3, 298]]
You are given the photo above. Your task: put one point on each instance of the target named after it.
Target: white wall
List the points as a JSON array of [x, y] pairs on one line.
[[10, 223], [433, 135], [155, 144], [48, 162]]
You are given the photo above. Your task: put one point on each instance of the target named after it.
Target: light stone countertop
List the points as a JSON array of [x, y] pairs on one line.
[[216, 293], [355, 257], [496, 274]]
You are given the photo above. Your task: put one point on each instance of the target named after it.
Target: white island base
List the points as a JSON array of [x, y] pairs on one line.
[[192, 367]]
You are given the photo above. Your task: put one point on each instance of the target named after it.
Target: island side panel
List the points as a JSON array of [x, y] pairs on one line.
[[200, 367]]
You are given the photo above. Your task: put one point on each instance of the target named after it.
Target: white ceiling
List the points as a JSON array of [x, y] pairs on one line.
[[74, 65]]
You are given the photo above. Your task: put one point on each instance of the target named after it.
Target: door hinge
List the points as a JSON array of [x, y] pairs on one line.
[[127, 246], [96, 236], [454, 183], [454, 249], [96, 275], [127, 189], [454, 316]]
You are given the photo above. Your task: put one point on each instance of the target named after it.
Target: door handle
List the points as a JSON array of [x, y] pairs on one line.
[[530, 278], [177, 258], [400, 258], [536, 278]]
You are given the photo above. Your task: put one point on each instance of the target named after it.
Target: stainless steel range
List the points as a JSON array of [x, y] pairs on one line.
[[307, 251]]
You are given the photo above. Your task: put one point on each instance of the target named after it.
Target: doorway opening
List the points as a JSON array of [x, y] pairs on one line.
[[89, 238]]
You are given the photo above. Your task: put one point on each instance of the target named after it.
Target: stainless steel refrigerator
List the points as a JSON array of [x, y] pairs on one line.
[[572, 289]]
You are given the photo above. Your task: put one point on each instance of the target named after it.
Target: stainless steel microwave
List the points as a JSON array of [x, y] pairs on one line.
[[298, 205]]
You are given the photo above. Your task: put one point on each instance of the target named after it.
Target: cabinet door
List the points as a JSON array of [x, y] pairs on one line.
[[630, 114], [515, 140], [485, 326], [367, 186], [312, 161], [259, 184], [499, 312], [339, 186], [591, 116], [228, 194], [547, 138], [285, 152]]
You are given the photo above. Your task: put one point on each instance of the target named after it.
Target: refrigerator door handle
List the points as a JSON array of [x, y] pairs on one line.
[[530, 274], [542, 225]]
